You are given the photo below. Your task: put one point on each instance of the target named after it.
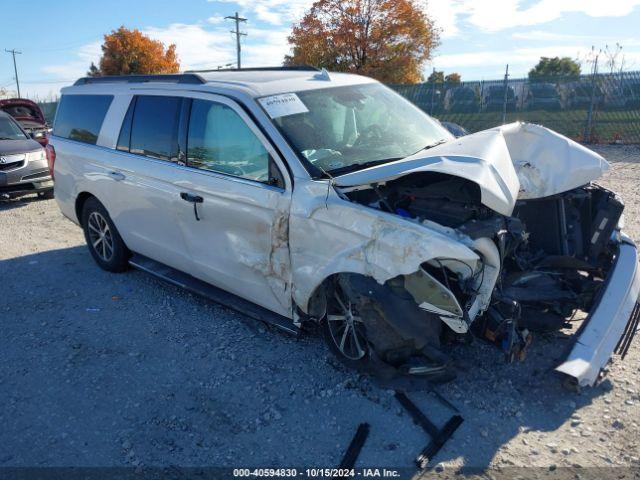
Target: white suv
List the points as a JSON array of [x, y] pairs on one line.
[[298, 195]]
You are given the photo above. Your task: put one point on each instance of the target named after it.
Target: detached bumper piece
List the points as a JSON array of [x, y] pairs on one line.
[[612, 322]]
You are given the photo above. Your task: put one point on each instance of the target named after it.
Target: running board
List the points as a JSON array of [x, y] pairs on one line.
[[208, 291]]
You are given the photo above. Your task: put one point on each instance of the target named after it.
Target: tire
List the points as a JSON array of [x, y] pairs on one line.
[[381, 351], [342, 324], [102, 237]]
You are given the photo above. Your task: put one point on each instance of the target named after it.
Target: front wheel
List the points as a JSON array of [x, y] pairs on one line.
[[344, 332], [104, 241]]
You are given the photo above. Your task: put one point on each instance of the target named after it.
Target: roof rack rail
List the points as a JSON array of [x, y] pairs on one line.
[[166, 78], [292, 68]]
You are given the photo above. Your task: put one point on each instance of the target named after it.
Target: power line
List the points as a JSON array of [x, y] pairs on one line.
[[238, 34], [13, 52]]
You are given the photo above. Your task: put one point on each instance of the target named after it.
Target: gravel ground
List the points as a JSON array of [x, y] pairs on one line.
[[103, 369]]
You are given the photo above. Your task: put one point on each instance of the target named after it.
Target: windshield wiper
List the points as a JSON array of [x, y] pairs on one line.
[[6, 138], [361, 166], [431, 145]]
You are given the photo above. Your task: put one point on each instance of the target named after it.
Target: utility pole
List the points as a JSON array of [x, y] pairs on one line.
[[15, 69], [433, 90], [504, 102], [238, 34], [589, 126]]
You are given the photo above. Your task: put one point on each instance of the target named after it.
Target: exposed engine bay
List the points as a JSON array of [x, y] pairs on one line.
[[554, 255]]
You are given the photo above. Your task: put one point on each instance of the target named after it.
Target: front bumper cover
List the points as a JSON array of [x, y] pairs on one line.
[[25, 177], [612, 322]]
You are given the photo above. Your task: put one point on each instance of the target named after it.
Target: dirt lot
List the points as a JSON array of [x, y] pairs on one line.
[[101, 369]]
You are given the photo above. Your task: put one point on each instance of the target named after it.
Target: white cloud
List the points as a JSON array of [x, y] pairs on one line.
[[597, 40], [269, 49], [77, 68], [445, 15], [491, 63], [542, 36], [497, 15], [274, 12], [200, 48], [196, 46]]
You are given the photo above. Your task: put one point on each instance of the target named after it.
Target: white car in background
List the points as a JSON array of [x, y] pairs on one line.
[[298, 195]]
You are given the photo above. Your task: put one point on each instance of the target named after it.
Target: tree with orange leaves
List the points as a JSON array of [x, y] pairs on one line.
[[127, 52], [389, 40]]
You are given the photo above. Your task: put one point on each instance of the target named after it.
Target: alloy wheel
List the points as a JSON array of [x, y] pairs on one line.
[[100, 236], [347, 329]]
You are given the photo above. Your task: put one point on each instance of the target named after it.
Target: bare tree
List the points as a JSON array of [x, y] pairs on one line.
[[615, 58]]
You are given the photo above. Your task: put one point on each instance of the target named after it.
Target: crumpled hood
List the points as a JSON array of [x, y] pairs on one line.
[[547, 162], [510, 162]]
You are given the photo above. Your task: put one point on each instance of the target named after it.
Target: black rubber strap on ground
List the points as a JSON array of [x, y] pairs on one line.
[[438, 437], [357, 442], [444, 401], [418, 417], [436, 444]]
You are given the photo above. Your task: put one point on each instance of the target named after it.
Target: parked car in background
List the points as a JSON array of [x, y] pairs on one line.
[[579, 95], [423, 95], [23, 162], [614, 94], [303, 196], [29, 116], [542, 96], [494, 98], [461, 100], [430, 99], [632, 94], [455, 129]]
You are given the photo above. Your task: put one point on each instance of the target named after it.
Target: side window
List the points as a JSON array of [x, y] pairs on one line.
[[80, 117], [219, 140], [154, 127], [124, 139]]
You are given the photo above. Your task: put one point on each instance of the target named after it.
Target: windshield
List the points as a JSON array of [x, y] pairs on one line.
[[9, 130], [345, 129]]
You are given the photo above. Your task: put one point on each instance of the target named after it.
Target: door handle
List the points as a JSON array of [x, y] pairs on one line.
[[117, 176], [195, 199], [188, 197]]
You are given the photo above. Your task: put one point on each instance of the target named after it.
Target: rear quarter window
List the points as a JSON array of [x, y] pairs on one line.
[[80, 117]]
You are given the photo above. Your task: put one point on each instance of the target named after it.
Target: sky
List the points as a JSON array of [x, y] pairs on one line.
[[478, 37]]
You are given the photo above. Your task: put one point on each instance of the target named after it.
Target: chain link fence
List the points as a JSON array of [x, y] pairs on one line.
[[601, 108], [49, 110]]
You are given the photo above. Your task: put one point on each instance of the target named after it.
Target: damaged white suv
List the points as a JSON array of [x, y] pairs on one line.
[[297, 195]]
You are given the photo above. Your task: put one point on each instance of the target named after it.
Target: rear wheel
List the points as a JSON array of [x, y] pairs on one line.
[[104, 241]]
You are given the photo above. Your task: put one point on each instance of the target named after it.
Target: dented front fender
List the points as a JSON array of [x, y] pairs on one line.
[[330, 235]]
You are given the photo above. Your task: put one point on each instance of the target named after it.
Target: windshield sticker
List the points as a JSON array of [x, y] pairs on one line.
[[283, 105]]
